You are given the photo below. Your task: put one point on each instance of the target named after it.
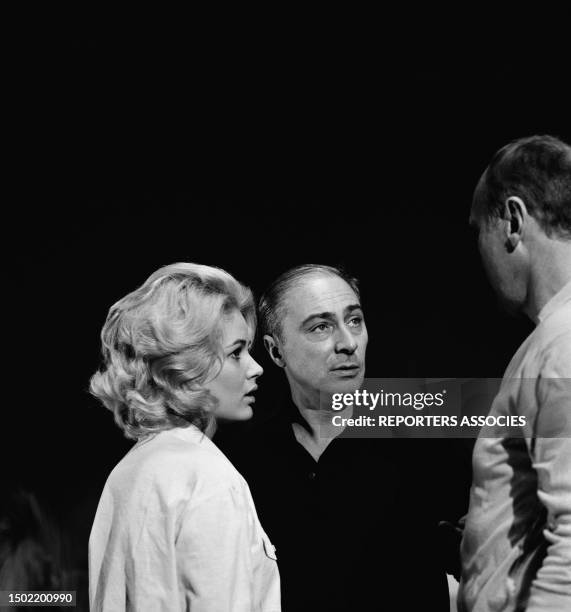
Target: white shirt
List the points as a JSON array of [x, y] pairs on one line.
[[176, 529], [516, 548]]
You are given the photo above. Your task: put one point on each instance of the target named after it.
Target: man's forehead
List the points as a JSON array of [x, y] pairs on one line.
[[319, 293]]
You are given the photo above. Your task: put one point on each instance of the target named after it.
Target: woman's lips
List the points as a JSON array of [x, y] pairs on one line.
[[250, 394]]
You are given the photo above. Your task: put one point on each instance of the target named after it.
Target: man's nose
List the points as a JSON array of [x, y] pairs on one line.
[[346, 341], [255, 369]]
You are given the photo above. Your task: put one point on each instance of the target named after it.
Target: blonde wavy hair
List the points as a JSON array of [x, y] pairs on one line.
[[161, 343]]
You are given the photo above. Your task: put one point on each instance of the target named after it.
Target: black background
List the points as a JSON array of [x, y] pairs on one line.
[[139, 150]]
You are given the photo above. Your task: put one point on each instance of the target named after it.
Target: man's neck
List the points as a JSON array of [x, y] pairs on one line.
[[316, 420], [549, 275]]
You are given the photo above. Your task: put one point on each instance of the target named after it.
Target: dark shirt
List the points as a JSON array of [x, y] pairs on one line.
[[356, 530]]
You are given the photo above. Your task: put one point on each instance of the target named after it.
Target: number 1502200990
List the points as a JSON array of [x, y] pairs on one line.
[[37, 597]]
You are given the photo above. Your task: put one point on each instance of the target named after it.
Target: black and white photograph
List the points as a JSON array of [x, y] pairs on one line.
[[228, 262]]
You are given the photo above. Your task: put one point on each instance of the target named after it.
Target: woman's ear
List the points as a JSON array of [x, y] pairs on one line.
[[273, 349]]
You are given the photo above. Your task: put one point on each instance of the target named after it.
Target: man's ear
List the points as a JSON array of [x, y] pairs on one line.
[[274, 350], [515, 213]]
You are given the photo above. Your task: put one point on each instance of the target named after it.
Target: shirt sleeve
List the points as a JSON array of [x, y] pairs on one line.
[[214, 554], [551, 588]]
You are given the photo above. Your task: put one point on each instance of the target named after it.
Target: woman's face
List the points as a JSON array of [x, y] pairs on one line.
[[233, 387]]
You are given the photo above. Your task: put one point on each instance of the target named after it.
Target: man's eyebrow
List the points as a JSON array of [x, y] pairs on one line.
[[329, 316], [353, 307], [318, 315]]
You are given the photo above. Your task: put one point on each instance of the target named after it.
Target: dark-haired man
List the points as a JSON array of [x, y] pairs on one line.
[[351, 519], [315, 330], [516, 549]]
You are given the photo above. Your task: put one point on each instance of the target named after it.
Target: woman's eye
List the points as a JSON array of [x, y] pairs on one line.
[[236, 354]]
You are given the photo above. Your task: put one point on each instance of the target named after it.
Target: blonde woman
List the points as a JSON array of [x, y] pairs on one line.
[[176, 527]]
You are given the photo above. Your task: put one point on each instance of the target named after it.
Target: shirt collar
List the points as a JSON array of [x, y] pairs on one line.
[[556, 302]]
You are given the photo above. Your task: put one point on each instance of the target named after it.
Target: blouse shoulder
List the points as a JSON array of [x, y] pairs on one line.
[[177, 463]]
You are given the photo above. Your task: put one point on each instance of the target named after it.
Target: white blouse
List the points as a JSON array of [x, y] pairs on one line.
[[176, 529]]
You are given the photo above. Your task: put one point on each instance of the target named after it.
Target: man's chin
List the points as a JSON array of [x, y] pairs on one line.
[[343, 385], [509, 305]]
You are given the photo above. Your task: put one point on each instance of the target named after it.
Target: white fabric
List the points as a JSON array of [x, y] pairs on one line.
[[516, 549], [176, 529]]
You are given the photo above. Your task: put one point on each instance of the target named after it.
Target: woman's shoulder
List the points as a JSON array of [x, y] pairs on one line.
[[177, 461]]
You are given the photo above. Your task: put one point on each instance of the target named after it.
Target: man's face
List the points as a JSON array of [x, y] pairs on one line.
[[499, 263], [324, 337]]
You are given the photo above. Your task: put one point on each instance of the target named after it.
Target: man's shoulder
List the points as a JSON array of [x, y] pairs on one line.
[[553, 344], [549, 344]]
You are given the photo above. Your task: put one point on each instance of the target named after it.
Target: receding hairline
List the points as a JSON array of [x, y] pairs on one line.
[[271, 305], [281, 307], [316, 273], [498, 175]]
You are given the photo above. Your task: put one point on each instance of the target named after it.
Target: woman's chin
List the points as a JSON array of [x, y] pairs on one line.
[[244, 413]]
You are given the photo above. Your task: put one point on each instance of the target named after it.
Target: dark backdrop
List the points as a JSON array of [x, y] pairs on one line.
[[140, 154]]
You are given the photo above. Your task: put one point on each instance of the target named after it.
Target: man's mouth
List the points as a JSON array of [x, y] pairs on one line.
[[347, 368]]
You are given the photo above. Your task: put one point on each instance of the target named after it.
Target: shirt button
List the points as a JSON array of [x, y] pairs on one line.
[[312, 475]]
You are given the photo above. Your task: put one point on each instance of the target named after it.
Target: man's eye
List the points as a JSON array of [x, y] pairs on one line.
[[356, 321], [321, 327]]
